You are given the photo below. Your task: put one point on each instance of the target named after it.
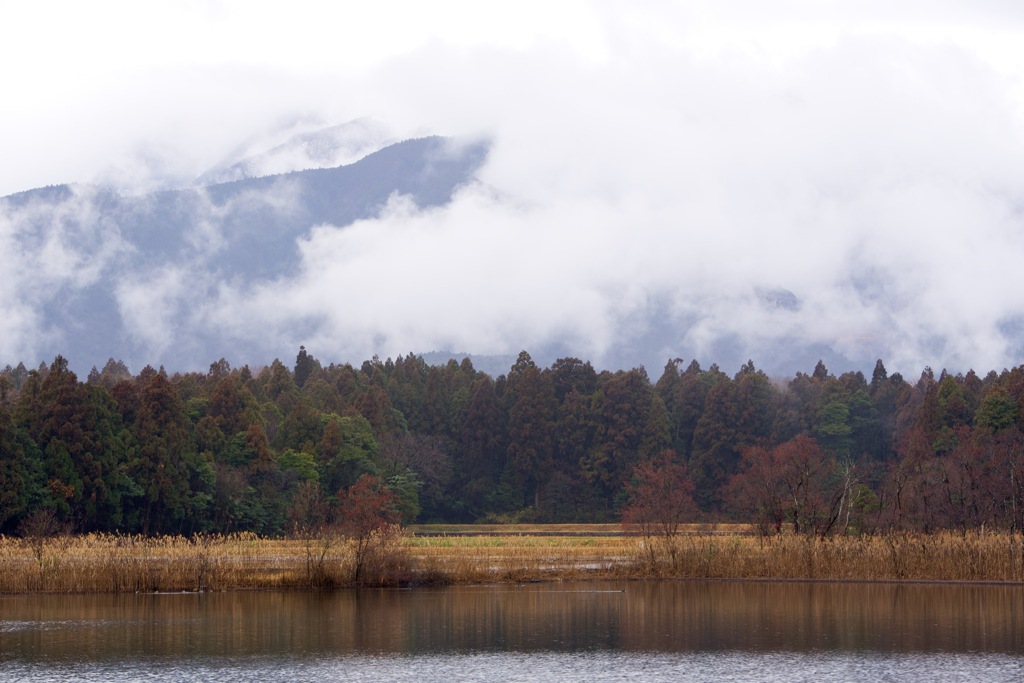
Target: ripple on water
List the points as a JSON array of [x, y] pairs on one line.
[[735, 666]]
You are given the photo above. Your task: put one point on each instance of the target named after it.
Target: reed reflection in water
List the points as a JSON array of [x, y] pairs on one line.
[[225, 631]]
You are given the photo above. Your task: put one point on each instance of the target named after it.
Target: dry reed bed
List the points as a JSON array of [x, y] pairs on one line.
[[114, 563], [946, 556]]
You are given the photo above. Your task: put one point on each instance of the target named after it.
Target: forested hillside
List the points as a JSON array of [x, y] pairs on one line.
[[241, 449]]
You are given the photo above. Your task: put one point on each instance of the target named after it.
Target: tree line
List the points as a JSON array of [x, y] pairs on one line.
[[239, 449]]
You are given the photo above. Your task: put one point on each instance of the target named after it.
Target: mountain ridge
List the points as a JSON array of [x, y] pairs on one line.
[[106, 275]]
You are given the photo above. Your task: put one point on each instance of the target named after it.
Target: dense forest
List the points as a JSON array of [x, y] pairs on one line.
[[239, 449]]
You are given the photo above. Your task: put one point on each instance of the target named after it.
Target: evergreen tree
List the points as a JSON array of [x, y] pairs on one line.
[[13, 470], [305, 364], [481, 451], [531, 427], [166, 465]]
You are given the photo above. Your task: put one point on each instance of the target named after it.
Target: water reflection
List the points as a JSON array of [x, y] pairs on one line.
[[656, 617]]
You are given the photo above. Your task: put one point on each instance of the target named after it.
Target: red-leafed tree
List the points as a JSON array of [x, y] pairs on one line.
[[795, 482], [660, 501], [660, 496], [367, 510]]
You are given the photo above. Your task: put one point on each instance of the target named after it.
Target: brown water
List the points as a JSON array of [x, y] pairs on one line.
[[572, 631]]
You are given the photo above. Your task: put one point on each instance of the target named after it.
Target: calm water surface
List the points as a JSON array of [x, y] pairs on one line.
[[645, 631]]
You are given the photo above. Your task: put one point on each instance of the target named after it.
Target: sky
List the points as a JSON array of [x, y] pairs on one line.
[[847, 175]]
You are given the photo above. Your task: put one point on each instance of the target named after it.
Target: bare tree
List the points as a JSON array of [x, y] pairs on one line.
[[795, 482], [368, 511], [310, 517], [660, 501], [38, 530]]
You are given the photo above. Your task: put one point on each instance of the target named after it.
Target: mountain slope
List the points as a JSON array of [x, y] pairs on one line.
[[99, 275]]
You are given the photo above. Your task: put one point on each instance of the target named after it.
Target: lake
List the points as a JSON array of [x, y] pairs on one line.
[[600, 631]]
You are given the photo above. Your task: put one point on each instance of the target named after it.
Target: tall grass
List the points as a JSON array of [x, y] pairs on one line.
[[124, 563], [946, 556]]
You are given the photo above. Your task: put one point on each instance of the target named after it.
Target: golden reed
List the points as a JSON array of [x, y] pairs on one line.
[[124, 563]]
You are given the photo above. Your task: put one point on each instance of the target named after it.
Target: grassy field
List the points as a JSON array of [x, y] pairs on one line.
[[456, 554]]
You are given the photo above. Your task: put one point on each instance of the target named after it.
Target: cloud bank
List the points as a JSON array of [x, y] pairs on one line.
[[683, 178]]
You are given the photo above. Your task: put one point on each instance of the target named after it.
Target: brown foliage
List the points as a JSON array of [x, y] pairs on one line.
[[795, 483], [660, 496], [367, 510], [660, 501]]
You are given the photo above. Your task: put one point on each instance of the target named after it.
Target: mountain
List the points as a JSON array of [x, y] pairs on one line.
[[98, 275], [157, 278], [328, 147]]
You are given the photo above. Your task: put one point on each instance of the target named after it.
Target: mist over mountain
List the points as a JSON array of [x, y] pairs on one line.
[[697, 180], [301, 149], [447, 247], [100, 275]]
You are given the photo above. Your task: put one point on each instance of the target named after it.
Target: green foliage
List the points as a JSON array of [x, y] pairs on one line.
[[347, 450], [303, 465], [532, 410], [997, 411], [834, 431], [738, 414], [14, 478], [406, 486], [481, 448], [305, 365]]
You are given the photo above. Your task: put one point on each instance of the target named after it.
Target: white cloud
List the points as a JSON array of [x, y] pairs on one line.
[[151, 306], [678, 157], [50, 250]]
